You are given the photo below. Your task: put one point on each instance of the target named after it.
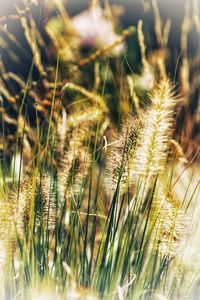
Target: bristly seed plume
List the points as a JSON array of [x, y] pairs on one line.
[[152, 152], [121, 156], [171, 224]]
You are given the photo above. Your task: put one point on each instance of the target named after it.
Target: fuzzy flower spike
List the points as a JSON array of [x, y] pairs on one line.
[[152, 152]]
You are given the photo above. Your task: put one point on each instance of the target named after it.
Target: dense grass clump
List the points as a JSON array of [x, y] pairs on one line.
[[99, 166]]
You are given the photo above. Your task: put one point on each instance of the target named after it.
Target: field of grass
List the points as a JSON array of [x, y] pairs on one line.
[[99, 154]]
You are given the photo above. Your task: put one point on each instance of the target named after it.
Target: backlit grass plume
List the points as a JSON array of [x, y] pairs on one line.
[[8, 214], [171, 223], [34, 205], [152, 152], [46, 207], [122, 154], [73, 149]]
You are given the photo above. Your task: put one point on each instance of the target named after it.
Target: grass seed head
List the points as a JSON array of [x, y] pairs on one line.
[[121, 156], [152, 152]]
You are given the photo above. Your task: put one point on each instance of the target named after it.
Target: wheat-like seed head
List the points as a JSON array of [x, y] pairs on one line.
[[67, 123], [34, 204], [170, 223], [74, 132], [121, 155], [73, 167], [7, 229], [47, 213], [151, 154]]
